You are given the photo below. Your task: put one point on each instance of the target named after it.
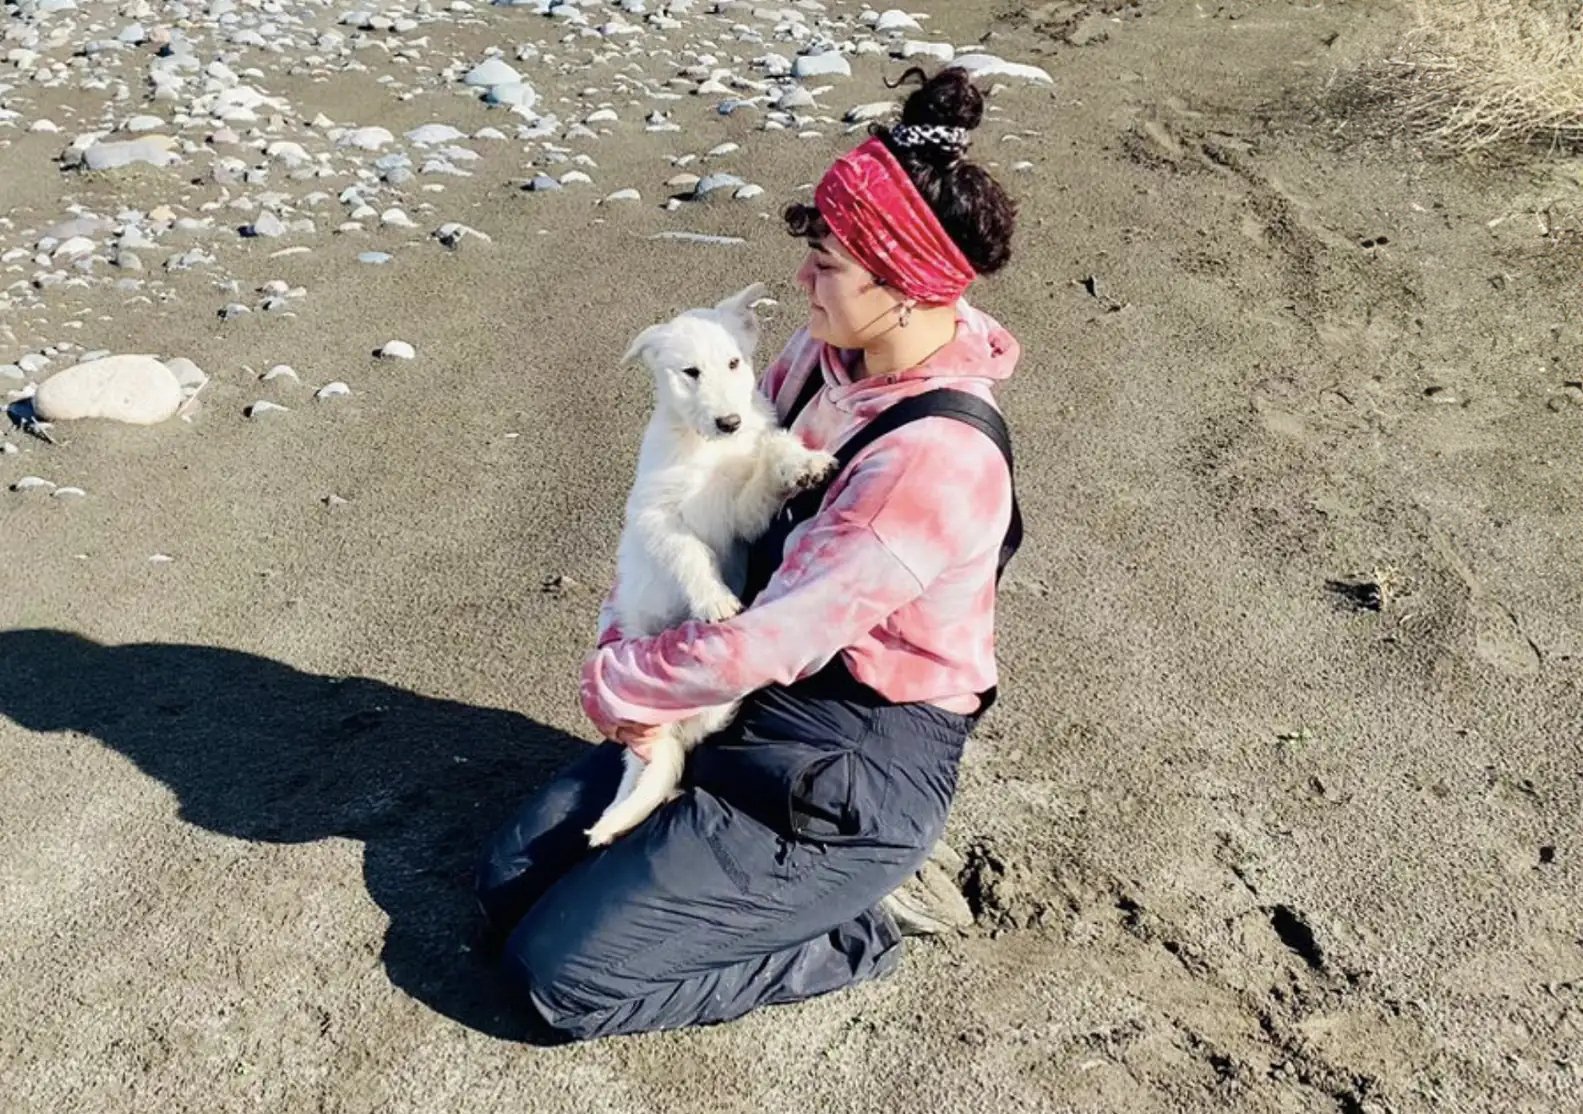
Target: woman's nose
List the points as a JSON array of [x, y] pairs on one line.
[[805, 275]]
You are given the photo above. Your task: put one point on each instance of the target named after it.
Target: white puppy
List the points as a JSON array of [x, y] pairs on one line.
[[714, 468]]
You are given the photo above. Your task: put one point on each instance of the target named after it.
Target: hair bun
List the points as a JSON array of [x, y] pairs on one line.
[[948, 99]]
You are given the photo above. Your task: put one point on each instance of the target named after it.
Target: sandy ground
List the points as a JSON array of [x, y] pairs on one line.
[[1234, 843]]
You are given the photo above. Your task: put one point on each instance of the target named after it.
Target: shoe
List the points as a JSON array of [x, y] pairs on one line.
[[929, 903]]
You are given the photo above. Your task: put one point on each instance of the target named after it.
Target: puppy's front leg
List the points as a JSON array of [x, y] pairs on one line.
[[696, 569], [784, 467]]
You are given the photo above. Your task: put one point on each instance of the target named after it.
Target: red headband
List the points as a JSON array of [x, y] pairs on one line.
[[879, 216]]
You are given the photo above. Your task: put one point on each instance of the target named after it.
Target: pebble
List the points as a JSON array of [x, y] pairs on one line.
[[264, 406], [32, 483], [374, 257], [794, 96], [698, 238], [712, 183], [623, 195], [279, 371], [396, 350], [332, 390]]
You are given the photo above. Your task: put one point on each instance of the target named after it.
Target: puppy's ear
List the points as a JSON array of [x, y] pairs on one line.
[[738, 309], [643, 346]]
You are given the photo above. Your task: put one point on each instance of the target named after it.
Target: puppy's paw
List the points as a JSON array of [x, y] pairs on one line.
[[715, 608], [799, 468], [817, 469]]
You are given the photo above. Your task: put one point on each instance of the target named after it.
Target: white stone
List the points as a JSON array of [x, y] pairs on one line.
[[894, 19], [491, 72], [332, 390], [829, 64], [874, 110], [940, 52], [135, 389], [397, 350], [154, 150], [367, 139], [988, 65], [431, 135]]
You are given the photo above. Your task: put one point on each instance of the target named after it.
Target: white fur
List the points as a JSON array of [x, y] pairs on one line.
[[700, 496]]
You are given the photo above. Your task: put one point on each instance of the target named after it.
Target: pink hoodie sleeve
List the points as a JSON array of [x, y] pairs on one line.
[[911, 506]]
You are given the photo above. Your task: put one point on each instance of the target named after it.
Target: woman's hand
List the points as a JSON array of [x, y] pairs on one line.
[[636, 737]]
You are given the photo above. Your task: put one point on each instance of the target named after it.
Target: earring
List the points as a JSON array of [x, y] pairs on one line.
[[906, 314]]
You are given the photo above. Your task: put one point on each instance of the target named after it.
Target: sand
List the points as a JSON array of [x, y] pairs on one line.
[[1279, 810]]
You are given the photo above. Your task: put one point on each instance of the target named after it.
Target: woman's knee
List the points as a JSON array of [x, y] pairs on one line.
[[573, 991]]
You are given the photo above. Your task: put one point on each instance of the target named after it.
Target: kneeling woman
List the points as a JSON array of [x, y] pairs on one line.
[[864, 656]]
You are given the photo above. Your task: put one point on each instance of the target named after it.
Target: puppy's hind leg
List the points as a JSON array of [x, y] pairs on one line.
[[652, 784]]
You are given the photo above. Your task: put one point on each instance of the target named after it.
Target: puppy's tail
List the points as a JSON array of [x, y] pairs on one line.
[[645, 786]]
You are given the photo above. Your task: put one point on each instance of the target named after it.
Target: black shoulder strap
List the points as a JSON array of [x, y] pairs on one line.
[[957, 405], [811, 386], [939, 403]]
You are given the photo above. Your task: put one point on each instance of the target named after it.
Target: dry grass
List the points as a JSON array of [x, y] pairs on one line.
[[1476, 74]]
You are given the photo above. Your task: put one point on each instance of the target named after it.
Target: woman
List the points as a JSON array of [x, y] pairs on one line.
[[864, 657]]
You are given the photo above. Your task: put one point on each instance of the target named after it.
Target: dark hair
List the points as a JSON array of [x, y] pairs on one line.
[[972, 207]]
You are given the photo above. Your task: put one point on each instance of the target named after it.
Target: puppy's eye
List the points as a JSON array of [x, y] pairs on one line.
[[691, 372], [736, 362]]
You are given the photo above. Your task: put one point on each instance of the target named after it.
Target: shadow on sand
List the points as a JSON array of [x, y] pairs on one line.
[[257, 750]]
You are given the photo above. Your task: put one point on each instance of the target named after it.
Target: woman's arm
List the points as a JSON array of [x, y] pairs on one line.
[[911, 506]]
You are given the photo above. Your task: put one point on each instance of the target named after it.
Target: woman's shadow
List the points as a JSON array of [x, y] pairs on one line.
[[257, 750]]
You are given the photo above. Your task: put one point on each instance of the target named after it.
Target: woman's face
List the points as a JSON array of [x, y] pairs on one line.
[[846, 306]]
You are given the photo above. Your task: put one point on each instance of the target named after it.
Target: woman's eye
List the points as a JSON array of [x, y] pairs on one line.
[[735, 363], [691, 372]]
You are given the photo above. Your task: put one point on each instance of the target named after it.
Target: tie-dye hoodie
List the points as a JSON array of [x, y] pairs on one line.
[[896, 572]]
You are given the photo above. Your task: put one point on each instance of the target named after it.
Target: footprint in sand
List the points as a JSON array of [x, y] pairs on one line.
[[1500, 642]]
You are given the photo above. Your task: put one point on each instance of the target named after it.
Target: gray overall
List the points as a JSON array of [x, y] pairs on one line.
[[761, 883]]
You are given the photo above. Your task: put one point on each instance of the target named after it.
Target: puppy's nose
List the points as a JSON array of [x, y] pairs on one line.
[[728, 424]]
